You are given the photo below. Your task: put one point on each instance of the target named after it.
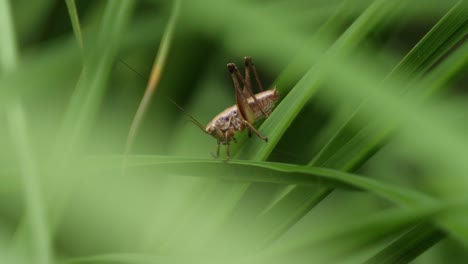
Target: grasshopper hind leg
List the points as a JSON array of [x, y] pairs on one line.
[[248, 91], [252, 128], [248, 60]]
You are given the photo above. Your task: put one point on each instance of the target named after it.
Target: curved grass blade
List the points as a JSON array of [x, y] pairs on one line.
[[99, 57], [155, 77], [137, 259], [375, 16], [278, 122], [443, 36], [87, 97], [35, 216], [349, 240], [9, 48], [256, 171], [290, 106], [410, 245], [356, 148], [73, 13]]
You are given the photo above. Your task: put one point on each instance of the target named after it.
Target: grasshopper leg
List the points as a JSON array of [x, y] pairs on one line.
[[227, 152], [245, 110], [248, 91], [254, 69], [226, 136], [252, 128], [217, 150]]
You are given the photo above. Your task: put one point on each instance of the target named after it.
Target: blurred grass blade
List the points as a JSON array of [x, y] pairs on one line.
[[155, 77], [142, 258], [354, 75], [443, 36], [32, 18], [8, 47], [99, 58], [375, 16], [412, 244], [348, 240], [75, 21], [355, 148], [296, 69], [63, 59], [86, 100], [277, 123], [35, 215], [257, 171]]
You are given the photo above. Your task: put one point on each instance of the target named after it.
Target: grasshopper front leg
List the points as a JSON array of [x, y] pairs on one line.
[[227, 138], [217, 149]]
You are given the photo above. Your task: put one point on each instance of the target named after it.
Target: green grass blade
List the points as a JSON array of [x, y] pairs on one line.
[[35, 209], [32, 18], [347, 241], [142, 258], [257, 171], [99, 58], [87, 97], [9, 48], [277, 123], [73, 13], [70, 106], [354, 149], [298, 67], [155, 77], [443, 36], [410, 245]]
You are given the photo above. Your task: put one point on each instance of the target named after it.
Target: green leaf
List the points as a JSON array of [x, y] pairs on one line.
[[256, 171], [416, 241], [347, 150], [351, 241], [99, 57], [73, 13]]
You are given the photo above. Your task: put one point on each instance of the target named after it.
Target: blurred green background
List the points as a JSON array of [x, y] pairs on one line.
[[367, 154]]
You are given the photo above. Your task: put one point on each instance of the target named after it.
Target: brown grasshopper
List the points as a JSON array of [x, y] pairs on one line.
[[248, 109]]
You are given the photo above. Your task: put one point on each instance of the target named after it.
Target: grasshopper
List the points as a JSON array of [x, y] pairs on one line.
[[248, 109]]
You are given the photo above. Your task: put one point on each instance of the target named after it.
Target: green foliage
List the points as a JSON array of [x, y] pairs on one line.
[[366, 158]]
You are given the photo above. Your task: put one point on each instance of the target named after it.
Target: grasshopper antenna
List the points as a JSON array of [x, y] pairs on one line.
[[193, 119], [132, 69]]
